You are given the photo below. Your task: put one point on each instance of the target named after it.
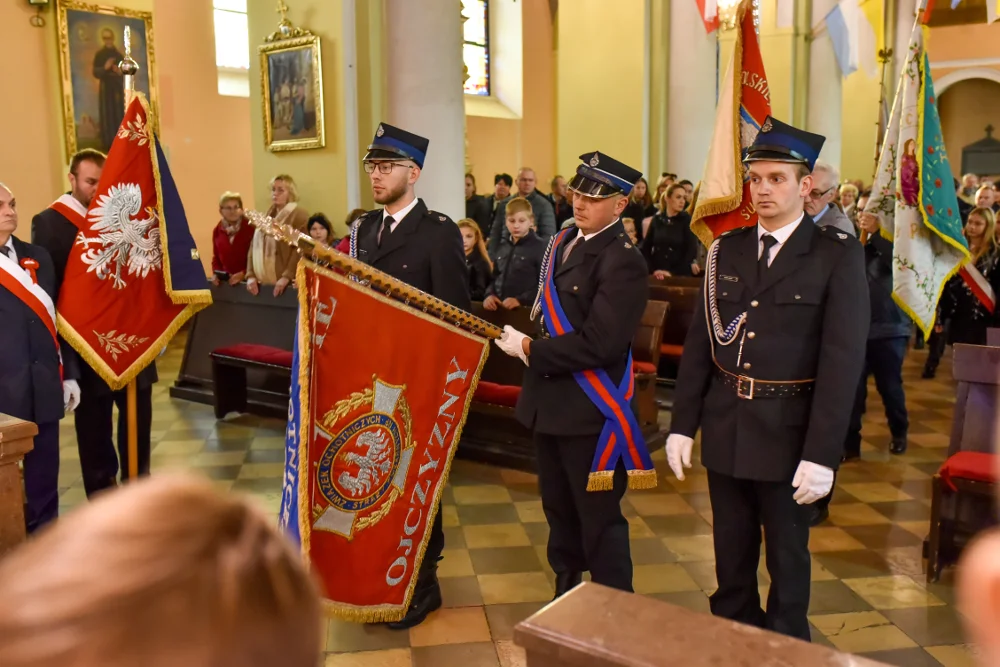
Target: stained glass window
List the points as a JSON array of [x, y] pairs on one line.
[[476, 46]]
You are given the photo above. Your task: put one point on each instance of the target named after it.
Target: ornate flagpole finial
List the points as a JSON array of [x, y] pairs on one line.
[[129, 68], [285, 28]]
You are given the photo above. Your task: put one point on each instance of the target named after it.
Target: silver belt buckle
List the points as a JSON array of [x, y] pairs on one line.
[[740, 381]]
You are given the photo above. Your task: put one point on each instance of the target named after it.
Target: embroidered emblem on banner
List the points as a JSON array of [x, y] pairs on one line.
[[126, 242], [365, 459]]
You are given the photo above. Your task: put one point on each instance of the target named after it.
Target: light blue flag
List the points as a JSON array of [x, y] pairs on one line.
[[842, 26], [288, 516]]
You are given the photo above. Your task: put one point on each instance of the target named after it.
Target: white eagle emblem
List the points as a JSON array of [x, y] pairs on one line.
[[123, 241], [372, 466], [594, 161]]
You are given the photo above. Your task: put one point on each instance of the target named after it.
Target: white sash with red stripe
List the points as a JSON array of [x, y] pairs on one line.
[[72, 210], [978, 284], [17, 281]]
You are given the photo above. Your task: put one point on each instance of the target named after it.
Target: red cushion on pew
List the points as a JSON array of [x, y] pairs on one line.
[[263, 354], [975, 466], [497, 394], [643, 367], [668, 350]]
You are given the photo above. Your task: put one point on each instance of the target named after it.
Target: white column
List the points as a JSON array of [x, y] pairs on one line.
[[692, 98], [424, 93], [824, 112]]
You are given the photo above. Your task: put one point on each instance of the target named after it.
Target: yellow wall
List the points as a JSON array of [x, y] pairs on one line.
[[599, 81], [502, 145], [860, 109], [206, 136], [320, 174], [966, 109]]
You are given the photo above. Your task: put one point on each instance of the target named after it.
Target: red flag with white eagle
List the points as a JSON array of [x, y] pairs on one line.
[[134, 275], [722, 200]]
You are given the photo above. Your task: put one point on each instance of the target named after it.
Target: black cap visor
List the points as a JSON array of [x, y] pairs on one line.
[[588, 187]]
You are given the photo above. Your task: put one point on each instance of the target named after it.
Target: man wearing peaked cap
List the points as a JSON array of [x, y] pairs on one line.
[[576, 395], [420, 247], [769, 375]]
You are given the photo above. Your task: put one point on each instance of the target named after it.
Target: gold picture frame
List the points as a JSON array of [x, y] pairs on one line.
[[291, 77], [93, 93]]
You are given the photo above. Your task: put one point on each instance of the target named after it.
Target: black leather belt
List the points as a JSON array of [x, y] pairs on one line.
[[750, 388]]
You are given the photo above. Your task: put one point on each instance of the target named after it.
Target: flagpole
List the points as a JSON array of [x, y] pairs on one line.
[[129, 68], [884, 57]]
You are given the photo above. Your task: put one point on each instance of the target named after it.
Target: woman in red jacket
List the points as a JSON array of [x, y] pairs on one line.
[[231, 240]]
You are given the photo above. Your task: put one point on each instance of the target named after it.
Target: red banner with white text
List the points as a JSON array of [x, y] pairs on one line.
[[384, 392]]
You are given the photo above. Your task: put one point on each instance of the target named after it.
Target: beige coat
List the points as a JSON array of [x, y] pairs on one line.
[[276, 260]]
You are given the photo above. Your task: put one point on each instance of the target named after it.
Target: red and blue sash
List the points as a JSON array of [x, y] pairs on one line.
[[621, 439]]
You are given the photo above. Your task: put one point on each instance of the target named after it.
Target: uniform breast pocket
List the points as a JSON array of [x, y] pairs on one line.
[[729, 291], [793, 294]]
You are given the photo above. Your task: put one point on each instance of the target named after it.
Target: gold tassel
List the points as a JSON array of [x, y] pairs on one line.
[[602, 480], [642, 479]]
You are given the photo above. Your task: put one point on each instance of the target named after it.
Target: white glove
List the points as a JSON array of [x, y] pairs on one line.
[[813, 482], [511, 343], [71, 395], [679, 453]]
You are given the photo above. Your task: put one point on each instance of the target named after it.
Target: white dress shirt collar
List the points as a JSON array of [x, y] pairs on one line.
[[587, 237], [12, 254], [400, 214], [781, 236]]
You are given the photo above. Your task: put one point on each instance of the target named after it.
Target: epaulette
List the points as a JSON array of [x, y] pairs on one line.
[[737, 230], [832, 232], [438, 217], [627, 241]]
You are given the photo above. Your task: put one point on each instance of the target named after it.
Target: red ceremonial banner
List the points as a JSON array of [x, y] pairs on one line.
[[384, 394], [722, 199], [118, 305]]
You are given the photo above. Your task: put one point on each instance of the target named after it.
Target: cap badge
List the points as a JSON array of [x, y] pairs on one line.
[[594, 161], [380, 131], [766, 127]]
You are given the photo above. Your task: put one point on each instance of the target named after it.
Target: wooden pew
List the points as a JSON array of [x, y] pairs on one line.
[[492, 434], [16, 440], [601, 627], [682, 295]]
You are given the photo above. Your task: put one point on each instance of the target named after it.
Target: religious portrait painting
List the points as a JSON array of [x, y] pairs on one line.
[[292, 87], [91, 48]]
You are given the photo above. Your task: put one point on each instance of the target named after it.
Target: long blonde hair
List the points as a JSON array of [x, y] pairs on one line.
[[469, 223], [164, 572], [293, 190], [989, 242]]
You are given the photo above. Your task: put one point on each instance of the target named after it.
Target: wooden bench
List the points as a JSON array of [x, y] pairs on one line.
[[596, 626], [682, 295], [16, 439], [229, 377], [965, 477], [492, 434]]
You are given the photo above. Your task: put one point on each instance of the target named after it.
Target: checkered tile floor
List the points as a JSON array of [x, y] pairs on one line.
[[868, 591]]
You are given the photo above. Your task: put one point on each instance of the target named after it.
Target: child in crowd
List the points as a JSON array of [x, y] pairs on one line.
[[185, 576], [320, 229], [476, 258], [515, 281]]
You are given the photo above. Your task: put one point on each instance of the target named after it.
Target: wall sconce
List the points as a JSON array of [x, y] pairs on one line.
[[37, 19], [728, 10]]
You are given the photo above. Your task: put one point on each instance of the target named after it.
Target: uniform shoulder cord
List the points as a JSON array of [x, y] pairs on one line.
[[716, 333]]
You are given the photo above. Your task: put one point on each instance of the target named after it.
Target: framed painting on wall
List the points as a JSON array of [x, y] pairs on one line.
[[292, 93], [91, 46]]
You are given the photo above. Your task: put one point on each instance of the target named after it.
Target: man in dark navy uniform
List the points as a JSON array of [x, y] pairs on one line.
[[30, 353], [600, 281], [769, 373], [55, 230], [424, 249]]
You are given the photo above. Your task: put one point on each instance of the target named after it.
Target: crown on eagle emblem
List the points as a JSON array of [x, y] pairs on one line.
[[766, 127], [594, 161], [380, 131]]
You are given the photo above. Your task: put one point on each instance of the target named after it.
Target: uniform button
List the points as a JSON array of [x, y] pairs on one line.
[[404, 266], [751, 335], [798, 296], [746, 366], [725, 294], [575, 288], [754, 303]]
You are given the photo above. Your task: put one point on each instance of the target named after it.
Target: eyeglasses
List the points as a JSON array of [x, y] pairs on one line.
[[816, 194], [385, 167]]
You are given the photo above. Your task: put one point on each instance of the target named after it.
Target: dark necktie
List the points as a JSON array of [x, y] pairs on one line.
[[570, 247], [5, 250], [768, 242], [386, 230]]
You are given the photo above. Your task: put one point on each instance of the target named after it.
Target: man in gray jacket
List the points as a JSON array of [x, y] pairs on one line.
[[819, 201], [545, 217]]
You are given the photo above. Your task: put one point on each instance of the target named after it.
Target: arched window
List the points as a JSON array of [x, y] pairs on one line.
[[476, 46], [232, 47]]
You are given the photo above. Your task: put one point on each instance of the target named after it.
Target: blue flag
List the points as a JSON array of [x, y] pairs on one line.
[[288, 517]]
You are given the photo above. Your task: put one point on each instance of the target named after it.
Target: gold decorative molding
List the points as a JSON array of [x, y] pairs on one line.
[[285, 28]]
